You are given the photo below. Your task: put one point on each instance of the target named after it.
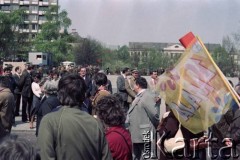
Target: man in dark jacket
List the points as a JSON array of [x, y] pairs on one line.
[[48, 102], [25, 83], [17, 92], [87, 79], [7, 71], [121, 87]]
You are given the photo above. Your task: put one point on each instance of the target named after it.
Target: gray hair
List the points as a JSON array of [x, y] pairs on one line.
[[50, 87]]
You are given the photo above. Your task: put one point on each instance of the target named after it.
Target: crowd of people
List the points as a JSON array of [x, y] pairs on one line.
[[79, 117]]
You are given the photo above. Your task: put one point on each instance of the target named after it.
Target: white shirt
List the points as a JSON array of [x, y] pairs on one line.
[[36, 89]]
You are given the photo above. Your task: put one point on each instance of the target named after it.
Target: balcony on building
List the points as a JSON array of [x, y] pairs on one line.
[[25, 8], [34, 12], [34, 1], [15, 1], [42, 10], [33, 18], [7, 1], [41, 21], [45, 3], [25, 30], [34, 31], [26, 2], [53, 2], [33, 9]]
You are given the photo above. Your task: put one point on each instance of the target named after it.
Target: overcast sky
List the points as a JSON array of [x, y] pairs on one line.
[[118, 22]]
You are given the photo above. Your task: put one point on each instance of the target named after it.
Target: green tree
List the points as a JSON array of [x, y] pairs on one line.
[[224, 61], [227, 43], [123, 53], [12, 42], [157, 59], [88, 51], [115, 60], [54, 37], [135, 58]]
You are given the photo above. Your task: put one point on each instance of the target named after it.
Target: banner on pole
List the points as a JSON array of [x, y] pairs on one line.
[[196, 88]]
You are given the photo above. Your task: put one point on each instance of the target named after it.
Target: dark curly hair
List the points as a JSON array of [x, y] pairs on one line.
[[71, 90], [110, 111]]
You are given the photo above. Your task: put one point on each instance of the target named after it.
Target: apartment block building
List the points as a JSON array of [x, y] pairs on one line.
[[35, 10]]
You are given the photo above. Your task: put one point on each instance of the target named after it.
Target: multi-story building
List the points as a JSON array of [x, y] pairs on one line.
[[35, 13]]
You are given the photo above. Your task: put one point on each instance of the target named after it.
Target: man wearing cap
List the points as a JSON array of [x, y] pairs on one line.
[[26, 91], [132, 79]]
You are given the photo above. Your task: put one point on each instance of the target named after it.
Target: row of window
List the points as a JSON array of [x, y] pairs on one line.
[[27, 8], [51, 1], [30, 26], [34, 18]]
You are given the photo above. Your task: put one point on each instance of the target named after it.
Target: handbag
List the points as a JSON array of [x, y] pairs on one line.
[[177, 142]]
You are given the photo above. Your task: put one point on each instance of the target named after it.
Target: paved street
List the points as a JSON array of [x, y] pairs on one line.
[[28, 135], [23, 131]]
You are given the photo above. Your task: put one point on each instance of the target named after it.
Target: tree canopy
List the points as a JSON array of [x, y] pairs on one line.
[[54, 37], [12, 42]]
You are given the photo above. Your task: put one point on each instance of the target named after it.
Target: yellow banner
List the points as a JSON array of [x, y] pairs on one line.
[[196, 89]]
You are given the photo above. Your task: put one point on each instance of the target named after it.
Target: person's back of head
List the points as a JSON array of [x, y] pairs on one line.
[[101, 79], [142, 82], [50, 88], [13, 148], [30, 67], [111, 111], [4, 82], [5, 69], [71, 90]]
